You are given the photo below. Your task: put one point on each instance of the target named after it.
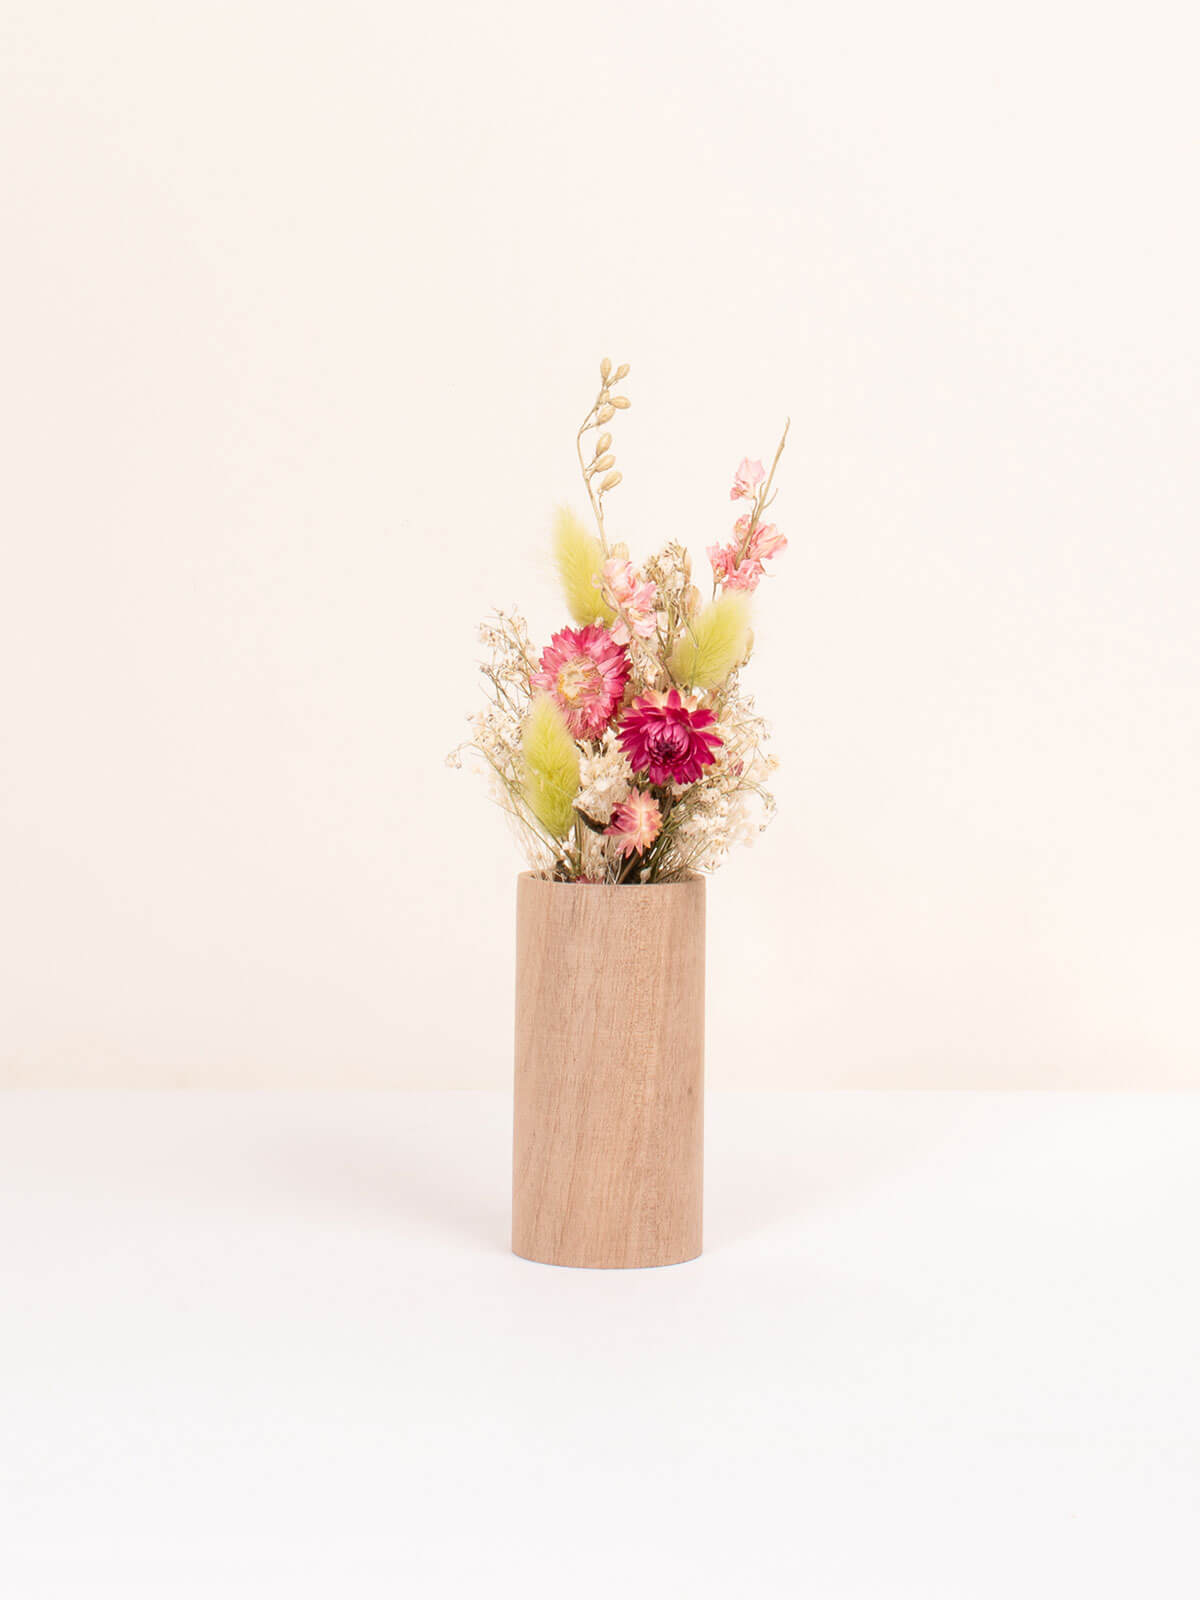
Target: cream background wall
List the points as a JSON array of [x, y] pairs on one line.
[[301, 304]]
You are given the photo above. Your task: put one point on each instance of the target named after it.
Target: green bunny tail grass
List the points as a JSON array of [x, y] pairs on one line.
[[578, 556], [715, 643], [551, 778]]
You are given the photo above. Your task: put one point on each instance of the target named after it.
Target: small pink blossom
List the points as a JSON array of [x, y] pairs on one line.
[[636, 823], [632, 597], [728, 572], [745, 577], [747, 479], [722, 558], [739, 565], [767, 542]]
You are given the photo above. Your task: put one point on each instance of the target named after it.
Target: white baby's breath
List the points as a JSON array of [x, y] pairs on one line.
[[605, 778]]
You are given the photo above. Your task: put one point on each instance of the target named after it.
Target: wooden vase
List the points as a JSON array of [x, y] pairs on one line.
[[608, 1116]]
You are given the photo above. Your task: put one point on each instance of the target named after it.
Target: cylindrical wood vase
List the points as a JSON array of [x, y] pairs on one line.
[[608, 1124]]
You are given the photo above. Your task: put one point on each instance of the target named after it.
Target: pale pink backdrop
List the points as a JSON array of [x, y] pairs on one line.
[[301, 306]]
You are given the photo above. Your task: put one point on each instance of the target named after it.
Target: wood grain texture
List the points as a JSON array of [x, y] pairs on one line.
[[608, 1115]]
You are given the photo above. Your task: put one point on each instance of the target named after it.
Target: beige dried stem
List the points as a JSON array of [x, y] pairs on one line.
[[600, 474]]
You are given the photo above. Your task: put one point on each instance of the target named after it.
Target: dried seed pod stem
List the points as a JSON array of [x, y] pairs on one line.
[[604, 408]]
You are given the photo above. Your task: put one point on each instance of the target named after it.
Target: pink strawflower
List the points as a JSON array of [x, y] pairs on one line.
[[636, 823], [635, 598], [586, 671], [667, 739], [746, 479]]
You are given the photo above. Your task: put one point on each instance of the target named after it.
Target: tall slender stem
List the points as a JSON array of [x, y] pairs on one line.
[[597, 508], [761, 498]]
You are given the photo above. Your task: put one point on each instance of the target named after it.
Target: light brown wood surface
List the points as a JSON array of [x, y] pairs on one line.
[[608, 1123]]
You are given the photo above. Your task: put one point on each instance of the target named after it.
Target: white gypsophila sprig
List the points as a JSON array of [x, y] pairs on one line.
[[605, 778], [496, 730], [731, 804]]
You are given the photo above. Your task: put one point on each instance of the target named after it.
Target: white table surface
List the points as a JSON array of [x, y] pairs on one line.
[[274, 1344]]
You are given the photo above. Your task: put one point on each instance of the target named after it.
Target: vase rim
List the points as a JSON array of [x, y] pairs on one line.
[[552, 883]]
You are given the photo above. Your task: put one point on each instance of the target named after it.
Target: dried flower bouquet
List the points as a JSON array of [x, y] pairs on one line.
[[626, 751]]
